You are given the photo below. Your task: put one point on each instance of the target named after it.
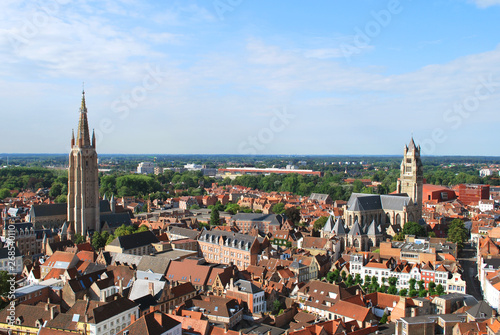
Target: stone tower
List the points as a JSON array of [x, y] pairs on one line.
[[411, 180], [83, 179]]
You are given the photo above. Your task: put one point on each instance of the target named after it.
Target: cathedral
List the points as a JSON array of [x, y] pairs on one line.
[[83, 180], [367, 216]]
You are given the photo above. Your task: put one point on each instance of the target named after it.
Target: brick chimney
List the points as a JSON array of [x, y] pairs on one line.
[[151, 309], [120, 286], [53, 312], [151, 289], [132, 318], [159, 318]]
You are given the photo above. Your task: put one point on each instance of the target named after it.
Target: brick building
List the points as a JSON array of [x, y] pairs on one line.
[[471, 193], [231, 248]]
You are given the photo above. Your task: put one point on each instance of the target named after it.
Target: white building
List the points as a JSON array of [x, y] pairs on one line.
[[146, 168], [113, 317], [486, 205]]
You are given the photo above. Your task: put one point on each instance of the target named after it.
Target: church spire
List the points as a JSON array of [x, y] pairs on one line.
[[83, 136]]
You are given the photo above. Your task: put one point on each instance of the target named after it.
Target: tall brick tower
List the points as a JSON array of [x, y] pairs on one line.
[[83, 179], [411, 180]]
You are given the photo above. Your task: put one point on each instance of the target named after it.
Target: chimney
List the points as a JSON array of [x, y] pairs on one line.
[[132, 318], [53, 312], [86, 318], [151, 289], [120, 286], [159, 318], [151, 309], [226, 327], [47, 307]]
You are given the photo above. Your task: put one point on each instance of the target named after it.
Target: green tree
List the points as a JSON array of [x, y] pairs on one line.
[[457, 233], [319, 223], [357, 279], [403, 292], [439, 289], [78, 238], [4, 283], [422, 293], [432, 288], [383, 320], [61, 199], [413, 293], [142, 228], [279, 208], [232, 208], [293, 214], [331, 276], [392, 290], [214, 218], [413, 228], [412, 283], [421, 285], [349, 281], [98, 241], [110, 239], [56, 189], [276, 306], [399, 237], [4, 193]]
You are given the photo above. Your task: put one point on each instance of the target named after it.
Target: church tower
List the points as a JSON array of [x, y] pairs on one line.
[[411, 180], [83, 179]]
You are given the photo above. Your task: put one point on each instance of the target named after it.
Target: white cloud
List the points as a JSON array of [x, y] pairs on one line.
[[486, 3]]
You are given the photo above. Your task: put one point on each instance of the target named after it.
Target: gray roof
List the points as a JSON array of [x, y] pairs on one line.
[[104, 206], [22, 226], [318, 196], [118, 257], [395, 201], [339, 228], [273, 219], [373, 229], [329, 224], [232, 239], [246, 286], [140, 288], [366, 202], [481, 310], [188, 233], [155, 264], [49, 210], [115, 220], [112, 309], [136, 240], [356, 229]]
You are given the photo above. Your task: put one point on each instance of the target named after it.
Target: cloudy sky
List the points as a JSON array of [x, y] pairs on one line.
[[252, 77]]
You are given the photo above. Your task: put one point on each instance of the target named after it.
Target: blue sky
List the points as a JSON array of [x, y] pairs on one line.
[[243, 77]]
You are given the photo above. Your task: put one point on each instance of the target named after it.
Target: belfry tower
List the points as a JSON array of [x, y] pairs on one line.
[[83, 179], [411, 180]]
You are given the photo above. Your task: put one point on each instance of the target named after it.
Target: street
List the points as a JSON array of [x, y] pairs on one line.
[[468, 261]]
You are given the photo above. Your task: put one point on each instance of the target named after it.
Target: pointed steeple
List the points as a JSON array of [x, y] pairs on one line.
[[412, 145], [356, 229], [83, 135], [93, 138], [373, 229], [339, 228], [72, 138], [328, 225]]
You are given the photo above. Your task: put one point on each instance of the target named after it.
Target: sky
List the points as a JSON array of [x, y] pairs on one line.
[[252, 77]]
